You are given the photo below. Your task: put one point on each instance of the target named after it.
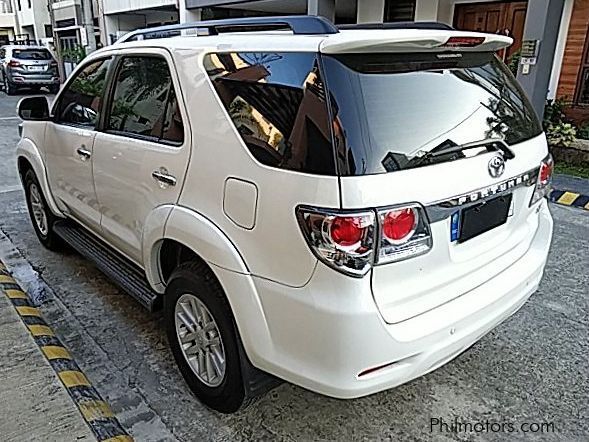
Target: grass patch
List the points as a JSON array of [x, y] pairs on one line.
[[570, 169]]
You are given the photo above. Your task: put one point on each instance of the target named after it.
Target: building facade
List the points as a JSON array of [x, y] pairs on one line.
[[569, 64]]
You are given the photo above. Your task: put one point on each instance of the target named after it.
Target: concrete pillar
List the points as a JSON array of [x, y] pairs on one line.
[[370, 11], [109, 28], [560, 46], [188, 15], [324, 8], [426, 10], [542, 23]]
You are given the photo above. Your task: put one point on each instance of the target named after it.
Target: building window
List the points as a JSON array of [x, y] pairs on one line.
[[48, 31], [399, 10], [29, 3], [18, 5]]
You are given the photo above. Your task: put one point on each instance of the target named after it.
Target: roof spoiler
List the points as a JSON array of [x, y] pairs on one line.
[[298, 24], [391, 40]]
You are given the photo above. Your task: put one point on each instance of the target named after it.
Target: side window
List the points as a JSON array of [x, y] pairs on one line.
[[277, 103], [81, 101], [144, 102]]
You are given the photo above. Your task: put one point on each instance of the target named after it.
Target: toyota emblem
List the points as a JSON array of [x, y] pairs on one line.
[[496, 166]]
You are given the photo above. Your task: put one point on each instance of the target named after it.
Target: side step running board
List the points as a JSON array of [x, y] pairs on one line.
[[123, 272]]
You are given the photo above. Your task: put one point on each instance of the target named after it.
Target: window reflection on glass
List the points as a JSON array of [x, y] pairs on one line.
[[144, 102], [80, 102], [391, 110], [277, 103]]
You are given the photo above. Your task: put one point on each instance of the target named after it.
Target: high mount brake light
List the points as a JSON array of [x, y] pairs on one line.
[[543, 185], [352, 242], [464, 42]]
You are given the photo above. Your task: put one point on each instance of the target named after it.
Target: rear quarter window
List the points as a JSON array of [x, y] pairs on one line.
[[277, 103]]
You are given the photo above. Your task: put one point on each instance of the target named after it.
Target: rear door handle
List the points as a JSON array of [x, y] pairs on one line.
[[83, 153], [164, 178]]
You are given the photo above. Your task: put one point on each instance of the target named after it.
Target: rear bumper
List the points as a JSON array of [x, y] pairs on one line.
[[33, 79], [325, 334]]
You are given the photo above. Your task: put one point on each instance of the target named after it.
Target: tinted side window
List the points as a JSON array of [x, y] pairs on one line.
[[144, 103], [277, 103], [81, 101]]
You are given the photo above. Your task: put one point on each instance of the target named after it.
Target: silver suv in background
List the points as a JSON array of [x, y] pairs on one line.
[[27, 66]]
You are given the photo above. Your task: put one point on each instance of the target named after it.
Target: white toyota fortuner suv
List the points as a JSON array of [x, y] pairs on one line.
[[344, 209]]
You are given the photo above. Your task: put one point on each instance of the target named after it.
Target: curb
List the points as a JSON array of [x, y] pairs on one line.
[[95, 411], [566, 198]]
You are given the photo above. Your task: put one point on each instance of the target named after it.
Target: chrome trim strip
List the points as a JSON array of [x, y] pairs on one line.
[[440, 210]]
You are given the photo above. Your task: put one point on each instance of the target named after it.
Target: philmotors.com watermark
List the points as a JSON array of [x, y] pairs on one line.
[[456, 425]]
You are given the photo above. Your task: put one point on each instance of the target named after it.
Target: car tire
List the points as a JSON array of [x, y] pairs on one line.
[[9, 87], [41, 216], [193, 286]]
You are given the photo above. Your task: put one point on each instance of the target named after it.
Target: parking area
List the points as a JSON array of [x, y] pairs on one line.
[[530, 375]]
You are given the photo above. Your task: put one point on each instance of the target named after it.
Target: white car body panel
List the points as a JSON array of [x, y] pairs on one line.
[[28, 149], [70, 176]]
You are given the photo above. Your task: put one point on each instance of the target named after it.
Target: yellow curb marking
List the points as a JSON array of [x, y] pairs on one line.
[[568, 198], [92, 410], [28, 311], [40, 330], [16, 294], [119, 439], [72, 378], [7, 279], [54, 352]]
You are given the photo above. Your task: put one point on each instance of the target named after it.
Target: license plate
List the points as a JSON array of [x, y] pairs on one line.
[[37, 68], [480, 218]]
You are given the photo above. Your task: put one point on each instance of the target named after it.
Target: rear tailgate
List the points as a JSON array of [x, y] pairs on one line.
[[402, 121], [408, 288]]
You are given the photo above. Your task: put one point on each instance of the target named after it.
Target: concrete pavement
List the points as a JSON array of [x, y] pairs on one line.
[[34, 404]]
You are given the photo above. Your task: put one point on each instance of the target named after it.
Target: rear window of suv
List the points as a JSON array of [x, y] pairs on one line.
[[391, 110], [31, 54]]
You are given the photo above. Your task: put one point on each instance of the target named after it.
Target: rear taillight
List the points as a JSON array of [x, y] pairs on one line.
[[14, 64], [344, 241], [461, 42], [405, 233], [353, 242], [543, 186]]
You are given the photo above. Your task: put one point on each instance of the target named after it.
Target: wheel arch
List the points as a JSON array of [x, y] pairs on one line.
[[29, 157], [190, 235]]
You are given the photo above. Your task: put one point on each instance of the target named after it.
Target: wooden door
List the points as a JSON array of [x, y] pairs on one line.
[[496, 18]]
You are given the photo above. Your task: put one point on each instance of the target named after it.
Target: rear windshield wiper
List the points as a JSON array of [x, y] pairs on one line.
[[491, 144]]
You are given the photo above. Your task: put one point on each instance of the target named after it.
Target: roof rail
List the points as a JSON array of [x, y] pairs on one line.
[[298, 24], [400, 25]]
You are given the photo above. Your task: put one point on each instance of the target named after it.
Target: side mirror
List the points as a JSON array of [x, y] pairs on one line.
[[33, 109]]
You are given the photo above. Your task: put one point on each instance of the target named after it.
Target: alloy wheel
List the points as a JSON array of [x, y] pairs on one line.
[[200, 340], [38, 209]]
